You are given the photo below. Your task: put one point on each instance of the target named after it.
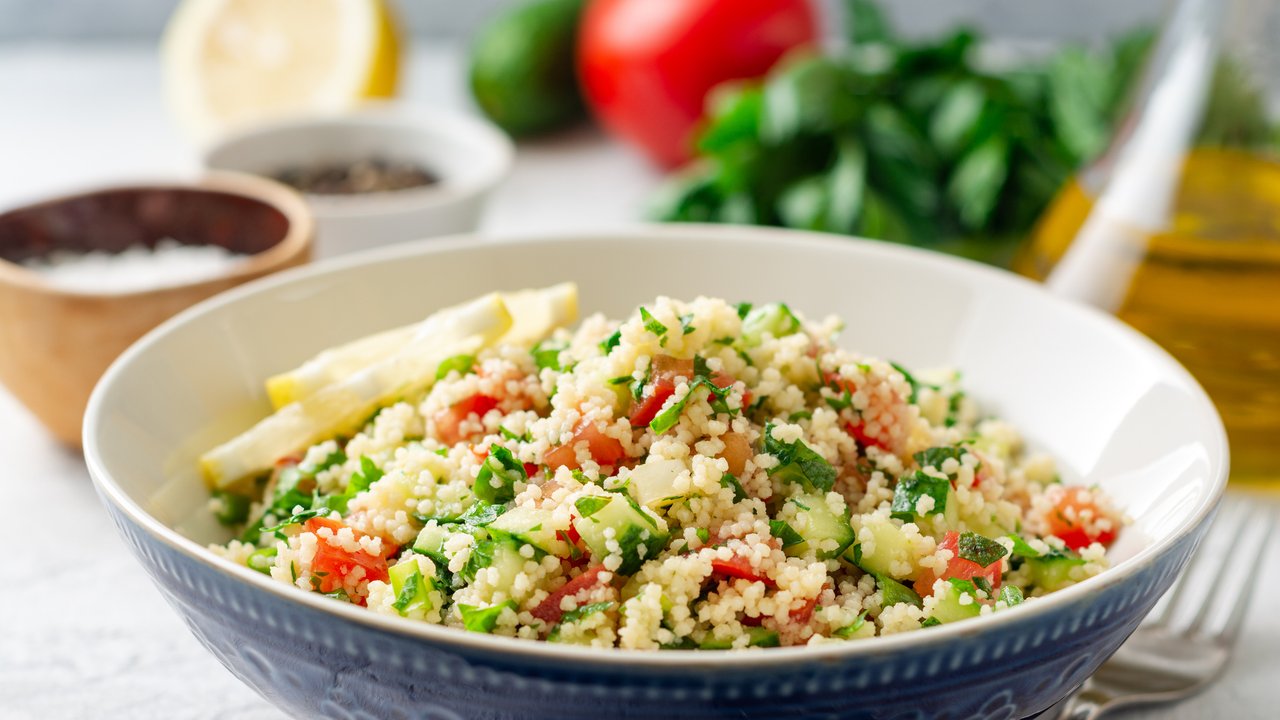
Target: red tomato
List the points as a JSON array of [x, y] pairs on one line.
[[604, 449], [739, 567], [1073, 516], [449, 419], [647, 66], [549, 609], [332, 565], [663, 385], [656, 395], [958, 568], [802, 614], [865, 440]]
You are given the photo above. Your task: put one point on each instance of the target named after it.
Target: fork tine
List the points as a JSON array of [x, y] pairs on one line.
[[1225, 522], [1264, 521]]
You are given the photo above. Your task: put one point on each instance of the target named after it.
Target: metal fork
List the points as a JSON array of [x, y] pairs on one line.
[[1186, 641]]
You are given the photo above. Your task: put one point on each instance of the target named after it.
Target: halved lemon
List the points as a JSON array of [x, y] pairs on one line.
[[342, 406], [233, 62], [534, 314]]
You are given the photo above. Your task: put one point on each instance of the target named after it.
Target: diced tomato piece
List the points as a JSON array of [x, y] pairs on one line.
[[332, 564], [737, 451], [802, 614], [656, 395], [739, 567], [451, 418], [288, 460], [749, 621], [604, 450], [663, 385], [1074, 517], [549, 610], [855, 430], [958, 568]]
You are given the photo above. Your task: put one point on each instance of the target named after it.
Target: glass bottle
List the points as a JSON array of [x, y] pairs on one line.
[[1176, 227]]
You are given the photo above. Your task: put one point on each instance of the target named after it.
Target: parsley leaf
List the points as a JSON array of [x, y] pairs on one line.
[[461, 363], [798, 463], [611, 342], [729, 480], [483, 619], [498, 475], [651, 323], [978, 549], [589, 505], [1011, 595], [915, 486], [546, 354], [848, 630], [782, 530], [578, 614]]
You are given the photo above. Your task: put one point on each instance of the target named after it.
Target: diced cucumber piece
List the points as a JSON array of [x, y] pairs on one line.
[[640, 535], [501, 553], [949, 607], [774, 318], [430, 542], [1052, 572], [262, 559], [889, 546], [653, 483], [532, 526], [825, 533], [893, 592], [411, 588]]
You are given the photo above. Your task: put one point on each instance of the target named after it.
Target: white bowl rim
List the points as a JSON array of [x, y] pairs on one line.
[[458, 126], [709, 660]]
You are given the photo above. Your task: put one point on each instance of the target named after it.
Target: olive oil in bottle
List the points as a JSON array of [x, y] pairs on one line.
[[1206, 287]]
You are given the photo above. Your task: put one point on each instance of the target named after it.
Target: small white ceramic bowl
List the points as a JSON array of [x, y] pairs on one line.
[[469, 155], [1112, 407]]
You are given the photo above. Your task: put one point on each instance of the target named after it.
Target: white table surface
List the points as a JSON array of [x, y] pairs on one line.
[[83, 634]]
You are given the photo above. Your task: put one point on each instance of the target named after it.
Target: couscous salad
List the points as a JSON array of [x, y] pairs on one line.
[[700, 475]]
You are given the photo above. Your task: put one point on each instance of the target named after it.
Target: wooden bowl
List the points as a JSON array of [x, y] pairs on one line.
[[58, 341]]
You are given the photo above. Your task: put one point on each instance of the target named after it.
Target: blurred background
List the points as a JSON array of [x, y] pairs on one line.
[[37, 21]]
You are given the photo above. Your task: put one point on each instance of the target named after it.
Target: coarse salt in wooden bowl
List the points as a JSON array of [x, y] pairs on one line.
[[83, 276]]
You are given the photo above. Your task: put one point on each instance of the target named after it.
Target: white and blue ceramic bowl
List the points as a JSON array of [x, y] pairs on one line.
[[1112, 407]]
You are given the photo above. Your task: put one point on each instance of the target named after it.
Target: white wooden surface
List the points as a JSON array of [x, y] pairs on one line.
[[82, 632]]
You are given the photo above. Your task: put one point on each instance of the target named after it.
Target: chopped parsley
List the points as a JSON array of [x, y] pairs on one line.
[[930, 622], [978, 549], [461, 363], [743, 308], [504, 432], [578, 614], [361, 480], [232, 508], [798, 416], [546, 355], [589, 505], [651, 323], [848, 630], [798, 463], [729, 480], [611, 342], [782, 530], [893, 592], [498, 475], [716, 395], [483, 620], [413, 585], [686, 324], [1010, 595], [703, 534], [934, 457], [915, 486]]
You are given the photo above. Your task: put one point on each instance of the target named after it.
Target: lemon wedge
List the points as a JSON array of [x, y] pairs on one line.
[[344, 405], [534, 314], [232, 62]]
